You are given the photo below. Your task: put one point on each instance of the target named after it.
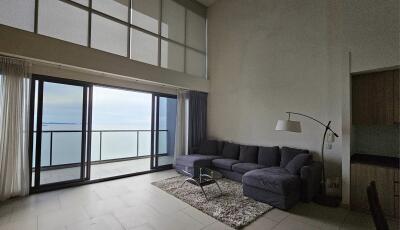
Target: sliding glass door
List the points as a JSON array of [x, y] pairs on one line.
[[60, 132], [163, 135], [87, 132], [121, 132]]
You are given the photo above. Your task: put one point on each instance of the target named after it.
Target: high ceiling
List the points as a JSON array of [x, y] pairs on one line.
[[207, 2]]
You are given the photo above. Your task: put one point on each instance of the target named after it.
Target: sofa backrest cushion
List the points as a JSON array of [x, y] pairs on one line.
[[220, 147], [269, 156], [208, 147], [287, 154], [298, 162], [248, 154], [230, 150]]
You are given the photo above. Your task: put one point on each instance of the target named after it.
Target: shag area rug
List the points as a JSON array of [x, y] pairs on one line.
[[231, 208]]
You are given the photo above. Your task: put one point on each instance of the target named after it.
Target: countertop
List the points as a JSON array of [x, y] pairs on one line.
[[393, 162]]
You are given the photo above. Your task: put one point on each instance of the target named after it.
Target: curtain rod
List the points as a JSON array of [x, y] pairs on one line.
[[26, 62], [14, 58]]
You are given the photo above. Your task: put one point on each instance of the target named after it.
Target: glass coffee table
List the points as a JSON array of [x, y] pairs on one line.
[[201, 177]]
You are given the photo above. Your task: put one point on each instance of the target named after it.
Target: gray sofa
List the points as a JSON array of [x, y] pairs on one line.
[[278, 176]]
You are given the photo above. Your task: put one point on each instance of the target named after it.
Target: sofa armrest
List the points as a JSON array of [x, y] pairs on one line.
[[310, 176], [194, 150]]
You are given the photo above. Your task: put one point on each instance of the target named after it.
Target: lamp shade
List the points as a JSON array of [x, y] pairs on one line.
[[288, 125]]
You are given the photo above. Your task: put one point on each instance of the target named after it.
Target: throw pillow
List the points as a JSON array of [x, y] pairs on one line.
[[298, 162], [269, 156], [287, 154], [248, 154], [208, 148], [230, 150]]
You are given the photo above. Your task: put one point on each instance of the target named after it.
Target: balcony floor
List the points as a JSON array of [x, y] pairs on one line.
[[99, 171]]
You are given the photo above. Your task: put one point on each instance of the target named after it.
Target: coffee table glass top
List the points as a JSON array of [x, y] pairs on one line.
[[202, 176], [195, 172]]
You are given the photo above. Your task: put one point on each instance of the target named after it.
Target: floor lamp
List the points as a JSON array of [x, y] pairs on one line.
[[295, 126]]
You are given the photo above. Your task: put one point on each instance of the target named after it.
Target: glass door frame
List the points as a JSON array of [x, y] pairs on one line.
[[85, 137], [89, 105], [155, 130]]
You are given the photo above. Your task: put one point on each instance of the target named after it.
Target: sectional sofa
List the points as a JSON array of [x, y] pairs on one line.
[[278, 176]]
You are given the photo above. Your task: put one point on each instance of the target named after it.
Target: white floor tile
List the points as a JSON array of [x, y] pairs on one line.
[[290, 223], [61, 218], [199, 216], [30, 223], [78, 197], [143, 227], [357, 221], [217, 226], [262, 224], [136, 216], [276, 215], [179, 221], [106, 206], [106, 222]]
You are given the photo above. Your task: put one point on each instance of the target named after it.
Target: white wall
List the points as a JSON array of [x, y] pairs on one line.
[[268, 57], [372, 33]]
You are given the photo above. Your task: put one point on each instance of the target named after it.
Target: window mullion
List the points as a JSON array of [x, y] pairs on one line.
[[159, 32], [129, 29], [90, 24]]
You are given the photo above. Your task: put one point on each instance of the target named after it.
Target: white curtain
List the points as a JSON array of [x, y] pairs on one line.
[[182, 124], [14, 128]]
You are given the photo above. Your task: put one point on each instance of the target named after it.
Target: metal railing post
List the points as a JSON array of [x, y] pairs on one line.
[[51, 148], [137, 143], [101, 138]]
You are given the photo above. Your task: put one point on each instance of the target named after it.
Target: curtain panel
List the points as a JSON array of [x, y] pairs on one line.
[[14, 128], [197, 118], [181, 130]]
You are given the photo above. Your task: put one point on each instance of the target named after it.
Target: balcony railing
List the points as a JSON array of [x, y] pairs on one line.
[[63, 147]]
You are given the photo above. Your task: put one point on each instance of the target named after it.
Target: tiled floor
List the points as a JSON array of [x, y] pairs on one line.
[[133, 203]]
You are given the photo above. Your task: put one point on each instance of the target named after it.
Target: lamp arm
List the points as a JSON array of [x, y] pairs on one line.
[[319, 122]]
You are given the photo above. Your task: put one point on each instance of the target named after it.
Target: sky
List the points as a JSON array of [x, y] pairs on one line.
[[112, 108]]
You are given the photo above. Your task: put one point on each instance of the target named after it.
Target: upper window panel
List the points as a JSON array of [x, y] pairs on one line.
[[173, 21], [63, 21], [144, 47], [195, 63], [109, 36], [18, 13], [116, 8], [172, 56], [195, 31], [82, 2], [146, 14]]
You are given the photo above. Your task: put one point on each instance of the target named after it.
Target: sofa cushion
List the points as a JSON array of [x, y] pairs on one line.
[[274, 179], [208, 148], [298, 162], [224, 163], [245, 167], [195, 160], [230, 150], [248, 154], [220, 147], [269, 156], [287, 154]]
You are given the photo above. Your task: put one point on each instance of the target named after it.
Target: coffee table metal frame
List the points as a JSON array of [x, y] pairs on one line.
[[201, 180]]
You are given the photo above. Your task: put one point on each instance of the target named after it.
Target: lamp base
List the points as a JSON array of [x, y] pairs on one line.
[[329, 201]]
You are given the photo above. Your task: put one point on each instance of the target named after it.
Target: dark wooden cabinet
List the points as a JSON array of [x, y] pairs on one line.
[[387, 183], [375, 98], [396, 90]]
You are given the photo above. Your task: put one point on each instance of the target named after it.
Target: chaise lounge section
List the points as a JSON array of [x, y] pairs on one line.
[[277, 176]]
